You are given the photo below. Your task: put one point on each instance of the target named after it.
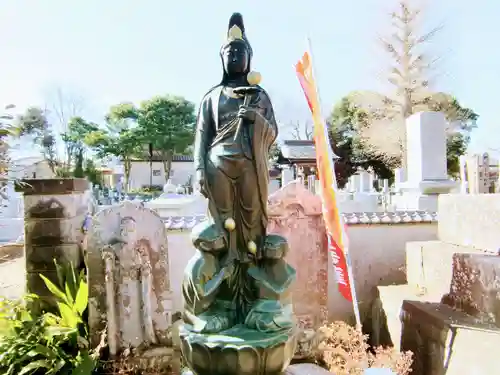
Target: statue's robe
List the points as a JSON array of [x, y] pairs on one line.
[[241, 163]]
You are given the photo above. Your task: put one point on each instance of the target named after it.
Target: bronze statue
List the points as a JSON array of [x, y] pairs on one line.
[[237, 284]]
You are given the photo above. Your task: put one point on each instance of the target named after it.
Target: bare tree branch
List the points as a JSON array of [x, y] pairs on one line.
[[65, 105], [301, 131], [409, 74]]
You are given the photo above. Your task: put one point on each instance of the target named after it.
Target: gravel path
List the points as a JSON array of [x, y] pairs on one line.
[[12, 278]]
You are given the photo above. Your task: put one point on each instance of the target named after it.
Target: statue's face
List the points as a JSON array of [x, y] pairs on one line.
[[235, 59]]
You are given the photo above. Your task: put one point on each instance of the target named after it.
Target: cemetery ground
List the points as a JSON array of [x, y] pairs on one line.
[[11, 274]]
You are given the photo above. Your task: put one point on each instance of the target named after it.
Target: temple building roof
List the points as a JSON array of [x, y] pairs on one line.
[[297, 152]]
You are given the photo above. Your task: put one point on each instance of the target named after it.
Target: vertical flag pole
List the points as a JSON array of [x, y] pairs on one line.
[[340, 217]]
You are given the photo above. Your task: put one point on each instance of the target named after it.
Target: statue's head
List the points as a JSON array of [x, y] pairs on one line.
[[236, 52], [206, 236]]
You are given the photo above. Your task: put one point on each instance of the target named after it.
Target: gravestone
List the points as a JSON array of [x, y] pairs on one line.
[[427, 175], [129, 286], [295, 213], [365, 181], [459, 334], [286, 175]]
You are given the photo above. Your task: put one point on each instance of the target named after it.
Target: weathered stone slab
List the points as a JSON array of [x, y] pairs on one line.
[[429, 265], [446, 341], [55, 206], [47, 232], [132, 295], [475, 286], [295, 213], [41, 258], [391, 298], [54, 212], [470, 220], [35, 284]]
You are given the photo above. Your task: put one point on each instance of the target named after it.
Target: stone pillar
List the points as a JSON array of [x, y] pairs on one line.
[[311, 183], [355, 182], [398, 178], [371, 182], [485, 174], [426, 145], [472, 164], [365, 179], [351, 184], [427, 174], [286, 176], [463, 174], [54, 213], [386, 186]]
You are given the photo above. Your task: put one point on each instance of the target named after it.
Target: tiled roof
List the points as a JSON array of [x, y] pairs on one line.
[[398, 217], [355, 218], [183, 222], [298, 149]]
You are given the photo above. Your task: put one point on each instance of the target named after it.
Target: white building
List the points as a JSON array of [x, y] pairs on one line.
[[30, 167], [143, 173]]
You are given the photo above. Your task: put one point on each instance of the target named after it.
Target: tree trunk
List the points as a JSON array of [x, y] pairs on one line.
[[166, 158], [78, 171], [127, 166], [69, 152]]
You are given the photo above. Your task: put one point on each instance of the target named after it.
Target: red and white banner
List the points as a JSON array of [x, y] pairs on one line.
[[337, 239]]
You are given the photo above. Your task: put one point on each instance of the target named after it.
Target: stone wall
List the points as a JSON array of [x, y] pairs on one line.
[[377, 250]]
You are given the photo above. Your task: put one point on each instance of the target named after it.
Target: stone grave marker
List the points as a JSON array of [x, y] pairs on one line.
[[129, 286], [295, 213]]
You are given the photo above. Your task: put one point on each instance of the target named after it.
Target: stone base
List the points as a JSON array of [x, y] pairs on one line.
[[415, 202], [156, 358], [446, 341], [237, 351], [308, 341], [422, 196], [391, 299]]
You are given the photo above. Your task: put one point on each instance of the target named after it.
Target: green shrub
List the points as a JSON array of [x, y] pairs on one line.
[[49, 343]]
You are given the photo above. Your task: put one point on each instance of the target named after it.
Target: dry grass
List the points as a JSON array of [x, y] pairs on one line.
[[345, 352], [124, 367]]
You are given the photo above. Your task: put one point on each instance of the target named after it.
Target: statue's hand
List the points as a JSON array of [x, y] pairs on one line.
[[247, 113], [201, 183]]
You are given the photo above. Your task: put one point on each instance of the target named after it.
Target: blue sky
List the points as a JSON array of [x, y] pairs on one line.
[[110, 51]]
